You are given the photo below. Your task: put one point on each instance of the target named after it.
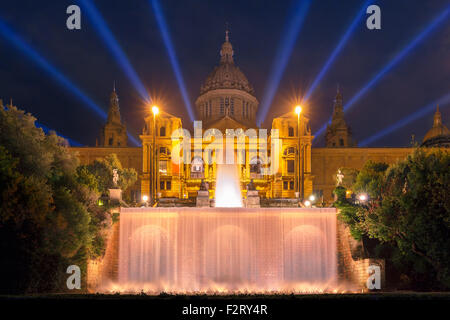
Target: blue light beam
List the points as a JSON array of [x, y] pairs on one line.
[[284, 52], [406, 120], [338, 49], [47, 130], [163, 28], [111, 43], [28, 51], [421, 36], [40, 61]]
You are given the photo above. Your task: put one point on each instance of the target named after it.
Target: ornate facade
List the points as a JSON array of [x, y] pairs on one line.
[[227, 104]]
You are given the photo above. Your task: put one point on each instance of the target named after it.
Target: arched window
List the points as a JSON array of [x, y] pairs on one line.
[[162, 131], [290, 132], [197, 168]]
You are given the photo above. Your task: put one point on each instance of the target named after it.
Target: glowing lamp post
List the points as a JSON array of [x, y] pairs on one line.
[[298, 111], [155, 111]]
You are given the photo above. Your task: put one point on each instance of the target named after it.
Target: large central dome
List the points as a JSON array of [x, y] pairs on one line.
[[226, 75], [227, 92]]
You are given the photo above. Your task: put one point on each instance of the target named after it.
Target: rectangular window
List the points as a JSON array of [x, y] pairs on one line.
[[232, 106], [168, 185], [163, 166], [222, 106], [291, 185], [285, 185], [161, 185], [290, 132], [290, 166]]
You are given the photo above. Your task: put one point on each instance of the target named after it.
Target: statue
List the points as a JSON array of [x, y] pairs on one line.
[[202, 199], [115, 177], [115, 193], [203, 186], [251, 186], [339, 177]]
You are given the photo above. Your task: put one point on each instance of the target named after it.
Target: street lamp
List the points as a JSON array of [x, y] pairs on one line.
[[155, 111], [312, 198], [363, 197], [298, 111]]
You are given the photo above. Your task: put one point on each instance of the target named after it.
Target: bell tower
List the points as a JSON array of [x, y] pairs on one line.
[[339, 134], [114, 132]]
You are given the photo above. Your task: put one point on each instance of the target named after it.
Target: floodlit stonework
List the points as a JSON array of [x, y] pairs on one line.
[[227, 101]]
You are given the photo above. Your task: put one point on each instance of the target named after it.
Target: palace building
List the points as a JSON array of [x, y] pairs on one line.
[[227, 105]]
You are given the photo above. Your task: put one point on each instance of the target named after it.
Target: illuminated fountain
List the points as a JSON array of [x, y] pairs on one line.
[[227, 249], [228, 190]]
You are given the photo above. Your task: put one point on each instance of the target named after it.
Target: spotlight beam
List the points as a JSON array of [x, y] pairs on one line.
[[421, 36], [443, 101], [111, 43], [338, 49], [40, 61], [164, 30], [282, 57], [28, 51]]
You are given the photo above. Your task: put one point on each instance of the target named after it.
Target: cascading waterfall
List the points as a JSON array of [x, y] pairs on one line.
[[227, 250], [228, 190]]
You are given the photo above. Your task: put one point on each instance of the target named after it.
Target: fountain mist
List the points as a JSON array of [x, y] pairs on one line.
[[188, 250], [228, 189]]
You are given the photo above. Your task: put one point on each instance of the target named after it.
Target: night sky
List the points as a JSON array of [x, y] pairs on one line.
[[197, 31]]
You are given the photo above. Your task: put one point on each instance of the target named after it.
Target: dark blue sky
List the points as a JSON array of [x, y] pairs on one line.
[[197, 30]]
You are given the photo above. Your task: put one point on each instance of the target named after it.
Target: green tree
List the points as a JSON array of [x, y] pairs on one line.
[[408, 213], [370, 179], [49, 216], [414, 212], [102, 170]]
